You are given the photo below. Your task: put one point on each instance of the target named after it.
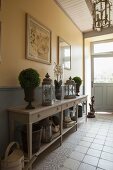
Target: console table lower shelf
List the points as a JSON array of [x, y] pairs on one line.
[[29, 117]]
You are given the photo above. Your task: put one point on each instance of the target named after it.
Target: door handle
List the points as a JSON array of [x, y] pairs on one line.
[[92, 84]]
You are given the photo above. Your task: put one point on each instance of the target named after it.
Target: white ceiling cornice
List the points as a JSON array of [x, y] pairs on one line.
[[96, 33], [89, 4]]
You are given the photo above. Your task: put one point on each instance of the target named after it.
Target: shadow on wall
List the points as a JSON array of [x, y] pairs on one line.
[[10, 97]]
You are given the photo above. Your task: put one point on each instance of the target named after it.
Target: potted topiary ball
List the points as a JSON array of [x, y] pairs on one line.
[[29, 79], [78, 82]]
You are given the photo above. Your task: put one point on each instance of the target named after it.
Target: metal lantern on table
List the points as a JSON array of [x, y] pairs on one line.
[[47, 91], [70, 89]]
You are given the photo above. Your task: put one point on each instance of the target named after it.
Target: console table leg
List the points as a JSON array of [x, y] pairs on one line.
[[11, 128], [61, 126], [77, 117], [86, 110], [29, 142]]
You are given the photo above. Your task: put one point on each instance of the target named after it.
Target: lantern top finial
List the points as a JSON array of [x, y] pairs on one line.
[[70, 81], [70, 78], [47, 80], [47, 75]]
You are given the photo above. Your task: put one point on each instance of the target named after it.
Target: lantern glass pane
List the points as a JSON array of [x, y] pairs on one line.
[[73, 90], [70, 89], [66, 90], [47, 92]]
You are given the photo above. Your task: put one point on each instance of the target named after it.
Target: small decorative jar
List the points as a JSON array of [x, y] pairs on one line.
[[70, 89], [47, 89]]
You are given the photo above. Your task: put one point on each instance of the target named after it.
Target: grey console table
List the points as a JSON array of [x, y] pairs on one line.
[[29, 117]]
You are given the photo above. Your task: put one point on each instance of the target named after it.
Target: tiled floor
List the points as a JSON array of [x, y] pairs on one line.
[[90, 148]]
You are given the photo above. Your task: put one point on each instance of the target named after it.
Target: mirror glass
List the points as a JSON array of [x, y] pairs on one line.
[[64, 53]]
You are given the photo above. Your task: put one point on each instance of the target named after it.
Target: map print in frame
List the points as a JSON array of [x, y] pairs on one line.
[[38, 43]]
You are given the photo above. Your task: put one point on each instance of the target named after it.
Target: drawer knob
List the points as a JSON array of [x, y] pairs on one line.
[[38, 115], [57, 108]]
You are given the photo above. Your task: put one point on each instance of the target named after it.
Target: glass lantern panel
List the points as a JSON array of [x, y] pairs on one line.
[[47, 93], [70, 90], [66, 90], [74, 90]]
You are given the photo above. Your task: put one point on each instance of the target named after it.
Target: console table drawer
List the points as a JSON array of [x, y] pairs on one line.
[[44, 114], [67, 105], [75, 102], [81, 100]]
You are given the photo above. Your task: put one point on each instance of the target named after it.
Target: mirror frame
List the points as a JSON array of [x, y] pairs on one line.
[[59, 41]]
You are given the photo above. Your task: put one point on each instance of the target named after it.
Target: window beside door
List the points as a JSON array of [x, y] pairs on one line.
[[103, 61]]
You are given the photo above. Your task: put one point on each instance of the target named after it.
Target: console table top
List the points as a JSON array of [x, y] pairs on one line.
[[39, 108]]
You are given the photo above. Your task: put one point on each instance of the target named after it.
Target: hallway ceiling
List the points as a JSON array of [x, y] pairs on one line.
[[79, 11]]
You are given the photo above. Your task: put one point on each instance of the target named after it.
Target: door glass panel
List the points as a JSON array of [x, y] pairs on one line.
[[103, 70], [103, 47]]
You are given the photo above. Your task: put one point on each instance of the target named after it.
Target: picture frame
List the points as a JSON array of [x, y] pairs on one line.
[[0, 45], [38, 41], [64, 53]]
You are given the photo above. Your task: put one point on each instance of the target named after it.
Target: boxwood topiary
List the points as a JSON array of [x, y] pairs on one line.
[[77, 80], [29, 78]]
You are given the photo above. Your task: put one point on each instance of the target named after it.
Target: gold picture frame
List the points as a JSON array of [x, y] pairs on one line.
[[38, 41]]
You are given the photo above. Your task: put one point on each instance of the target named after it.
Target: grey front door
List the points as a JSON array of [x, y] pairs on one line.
[[102, 82]]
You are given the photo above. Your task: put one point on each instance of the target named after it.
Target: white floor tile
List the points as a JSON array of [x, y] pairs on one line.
[[104, 164], [85, 143], [84, 166], [110, 135], [110, 131], [71, 164], [91, 160], [94, 152], [100, 137], [109, 143], [103, 134], [90, 134], [107, 156], [88, 139], [93, 132], [77, 155], [98, 141], [108, 149], [81, 149], [96, 146], [109, 139]]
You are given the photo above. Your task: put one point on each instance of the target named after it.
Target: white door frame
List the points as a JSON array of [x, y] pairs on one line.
[[93, 85]]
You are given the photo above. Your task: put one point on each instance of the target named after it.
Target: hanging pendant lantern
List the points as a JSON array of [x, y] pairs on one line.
[[70, 89], [101, 14], [47, 91]]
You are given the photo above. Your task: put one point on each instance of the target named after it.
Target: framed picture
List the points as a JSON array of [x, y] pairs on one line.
[[0, 44], [38, 41]]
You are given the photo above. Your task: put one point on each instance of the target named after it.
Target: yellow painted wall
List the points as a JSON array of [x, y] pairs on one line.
[[13, 38]]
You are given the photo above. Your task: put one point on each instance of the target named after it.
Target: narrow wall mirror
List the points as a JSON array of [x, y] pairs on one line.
[[64, 53]]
